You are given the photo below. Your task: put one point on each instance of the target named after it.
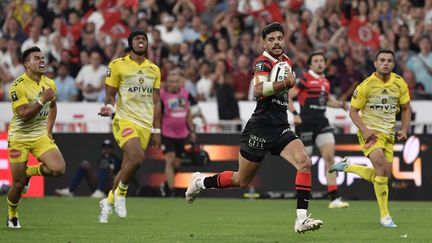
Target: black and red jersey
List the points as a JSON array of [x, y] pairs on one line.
[[270, 109], [314, 91]]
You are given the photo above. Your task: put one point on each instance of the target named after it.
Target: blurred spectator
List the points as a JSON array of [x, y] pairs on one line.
[[12, 30], [22, 11], [242, 78], [228, 107], [203, 39], [421, 64], [204, 86], [66, 87], [91, 77], [157, 50], [168, 32], [403, 54], [35, 39], [349, 79]]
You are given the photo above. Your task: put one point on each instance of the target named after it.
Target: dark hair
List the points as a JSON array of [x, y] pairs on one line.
[[272, 28], [29, 51], [318, 53], [387, 51], [133, 35]]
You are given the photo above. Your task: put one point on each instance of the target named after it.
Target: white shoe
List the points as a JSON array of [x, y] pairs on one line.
[[387, 222], [65, 192], [120, 205], [106, 210], [98, 194], [338, 203], [193, 189], [306, 224], [13, 223]]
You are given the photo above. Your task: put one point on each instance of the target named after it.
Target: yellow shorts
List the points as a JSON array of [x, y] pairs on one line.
[[384, 141], [19, 150], [124, 130]]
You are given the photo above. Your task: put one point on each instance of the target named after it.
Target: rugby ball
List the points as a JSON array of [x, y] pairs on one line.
[[280, 72]]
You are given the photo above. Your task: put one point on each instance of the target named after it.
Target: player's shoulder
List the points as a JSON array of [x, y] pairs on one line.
[[47, 80], [152, 65], [22, 79], [398, 80], [118, 61], [263, 64]]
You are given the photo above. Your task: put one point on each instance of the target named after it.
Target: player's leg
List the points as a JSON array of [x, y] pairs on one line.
[[295, 154], [19, 180], [383, 171], [226, 179], [326, 145], [364, 172], [48, 153], [168, 149]]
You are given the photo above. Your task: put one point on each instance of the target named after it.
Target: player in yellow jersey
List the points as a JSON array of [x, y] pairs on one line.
[[34, 113], [379, 98], [136, 80]]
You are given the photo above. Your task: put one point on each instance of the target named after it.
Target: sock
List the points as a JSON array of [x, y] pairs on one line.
[[121, 189], [363, 171], [301, 214], [303, 185], [12, 209], [34, 170], [333, 192], [381, 193], [220, 180], [110, 197]]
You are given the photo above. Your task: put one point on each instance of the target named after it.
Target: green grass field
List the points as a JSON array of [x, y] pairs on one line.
[[212, 220]]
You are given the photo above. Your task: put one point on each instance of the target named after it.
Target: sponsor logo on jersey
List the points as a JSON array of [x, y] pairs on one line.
[[14, 96], [354, 95], [13, 153], [140, 89], [126, 132]]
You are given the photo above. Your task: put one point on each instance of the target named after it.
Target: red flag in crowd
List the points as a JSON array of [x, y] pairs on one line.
[[114, 25], [270, 13], [363, 33]]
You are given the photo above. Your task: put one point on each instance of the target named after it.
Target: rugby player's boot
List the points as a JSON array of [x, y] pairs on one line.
[[120, 205], [340, 166], [193, 188], [106, 210], [307, 224], [13, 223], [338, 203], [387, 222]]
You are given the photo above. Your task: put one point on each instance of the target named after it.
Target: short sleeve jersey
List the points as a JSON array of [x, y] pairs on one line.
[[314, 91], [135, 83], [271, 109], [379, 101], [27, 91]]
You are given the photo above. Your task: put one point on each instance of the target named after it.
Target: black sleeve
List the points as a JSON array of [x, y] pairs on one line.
[[262, 67]]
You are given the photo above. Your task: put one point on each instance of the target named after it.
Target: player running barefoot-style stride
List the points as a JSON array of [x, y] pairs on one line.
[[137, 81], [311, 125], [378, 98], [267, 131], [30, 131]]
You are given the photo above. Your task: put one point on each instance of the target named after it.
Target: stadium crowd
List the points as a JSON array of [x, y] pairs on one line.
[[214, 42]]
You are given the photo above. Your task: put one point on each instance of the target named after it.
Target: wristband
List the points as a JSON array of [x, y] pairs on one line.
[[111, 107], [40, 102], [268, 89], [156, 130], [295, 113]]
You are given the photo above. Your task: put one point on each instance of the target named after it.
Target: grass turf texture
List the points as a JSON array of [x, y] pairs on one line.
[[54, 219]]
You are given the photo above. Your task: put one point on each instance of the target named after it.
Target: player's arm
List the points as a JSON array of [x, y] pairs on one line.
[[157, 114], [402, 135], [262, 86], [332, 102], [109, 109], [25, 110], [358, 101], [52, 115]]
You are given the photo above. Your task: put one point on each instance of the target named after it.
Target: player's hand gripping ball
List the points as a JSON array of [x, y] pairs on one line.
[[280, 72]]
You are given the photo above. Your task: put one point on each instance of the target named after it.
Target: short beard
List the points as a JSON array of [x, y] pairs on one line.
[[139, 53]]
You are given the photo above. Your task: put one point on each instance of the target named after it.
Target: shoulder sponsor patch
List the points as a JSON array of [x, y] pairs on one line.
[[14, 96], [354, 95], [108, 72]]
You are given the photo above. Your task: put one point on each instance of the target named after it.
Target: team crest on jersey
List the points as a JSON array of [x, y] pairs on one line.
[[354, 95], [14, 96], [259, 66]]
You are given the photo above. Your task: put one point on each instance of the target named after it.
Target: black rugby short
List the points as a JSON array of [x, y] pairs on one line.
[[173, 145], [308, 131], [257, 139]]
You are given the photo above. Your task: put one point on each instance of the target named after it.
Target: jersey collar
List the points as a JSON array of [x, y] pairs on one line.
[[129, 59], [266, 54], [314, 74]]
